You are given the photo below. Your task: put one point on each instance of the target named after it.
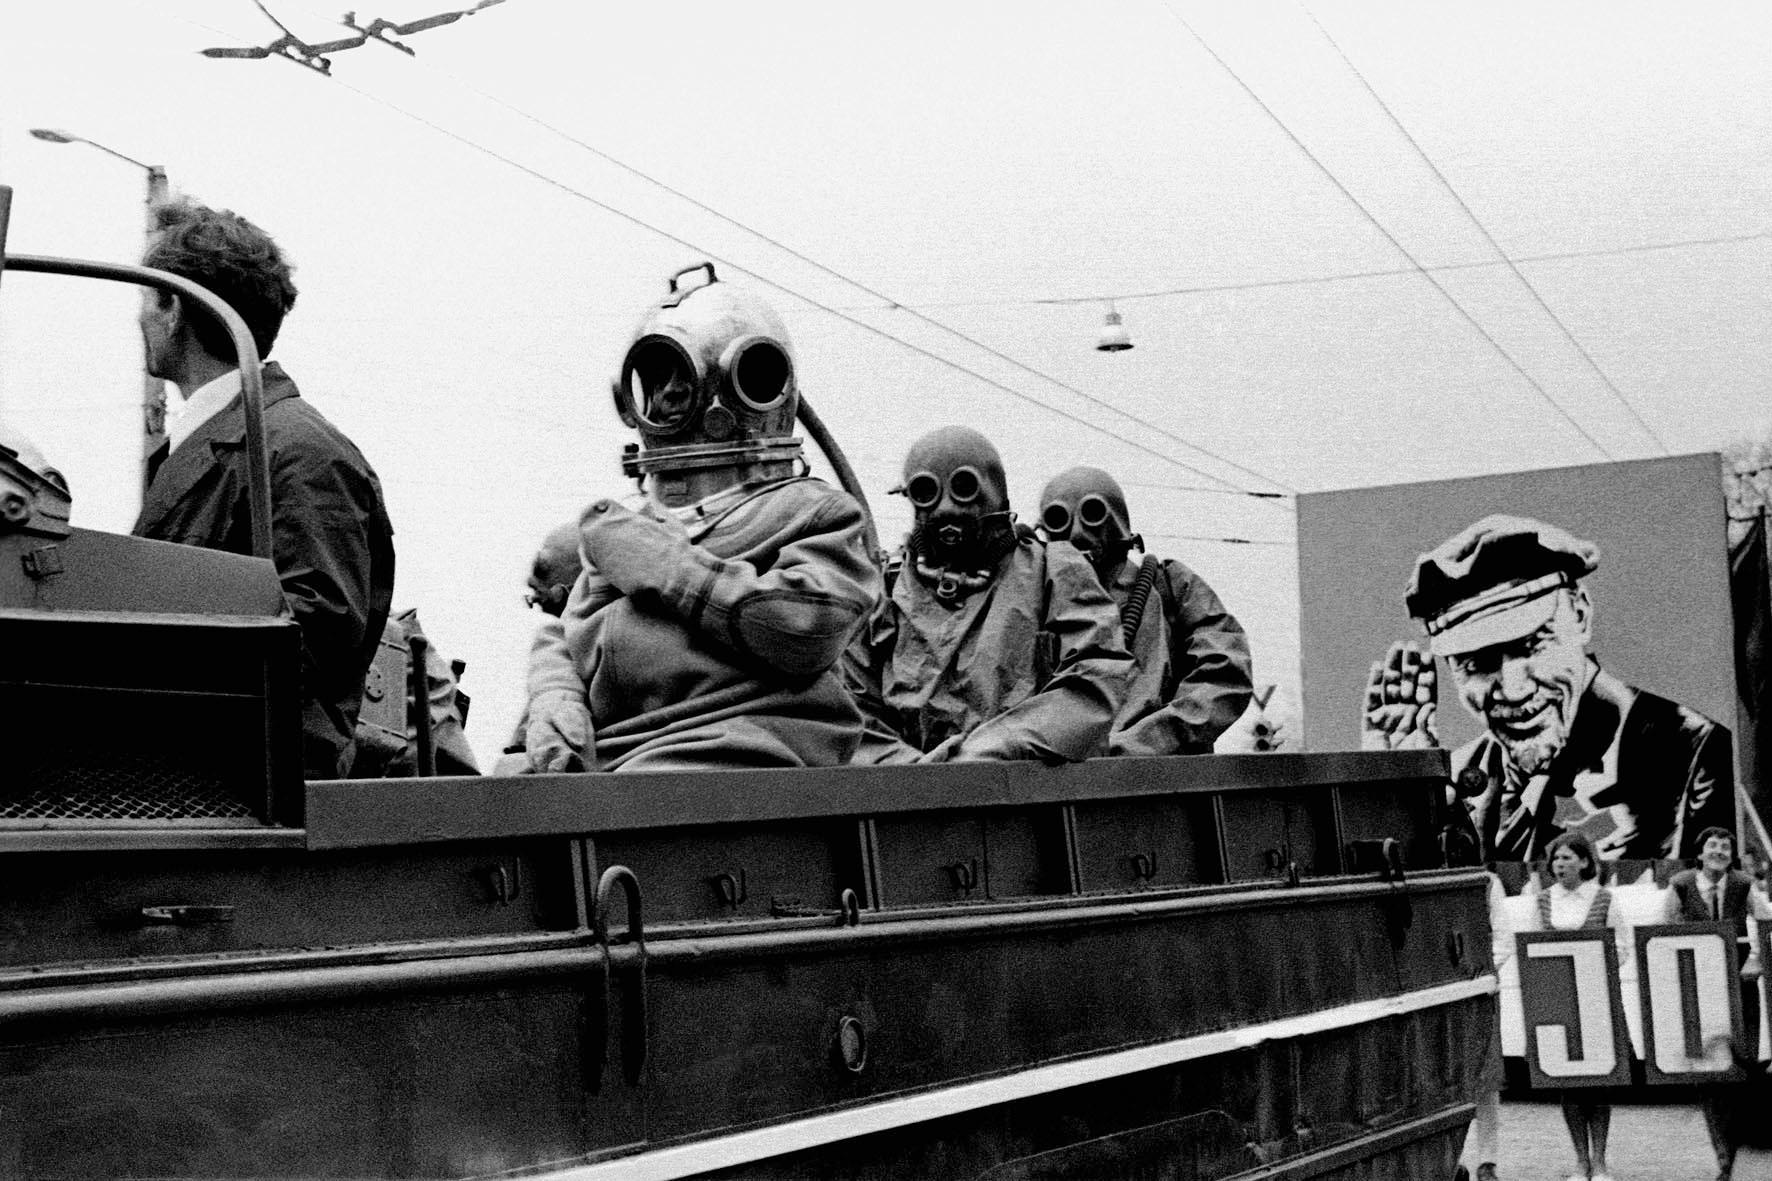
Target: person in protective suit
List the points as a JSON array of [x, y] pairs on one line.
[[993, 644], [387, 739], [551, 575], [1193, 674], [554, 570], [705, 627]]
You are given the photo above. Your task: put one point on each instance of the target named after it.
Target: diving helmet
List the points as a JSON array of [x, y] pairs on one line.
[[1086, 507], [33, 496], [709, 383], [954, 479]]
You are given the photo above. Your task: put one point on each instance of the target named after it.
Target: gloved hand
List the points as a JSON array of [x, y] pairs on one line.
[[634, 551], [560, 734]]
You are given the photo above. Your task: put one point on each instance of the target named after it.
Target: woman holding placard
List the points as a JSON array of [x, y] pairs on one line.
[[1576, 900]]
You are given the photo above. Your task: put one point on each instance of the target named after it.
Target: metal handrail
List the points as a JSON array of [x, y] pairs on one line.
[[252, 397]]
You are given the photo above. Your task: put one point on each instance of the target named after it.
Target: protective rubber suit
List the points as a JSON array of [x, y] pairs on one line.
[[1192, 679], [704, 629], [993, 645]]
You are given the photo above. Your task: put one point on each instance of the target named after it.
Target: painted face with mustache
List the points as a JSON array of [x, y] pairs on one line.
[[1526, 690]]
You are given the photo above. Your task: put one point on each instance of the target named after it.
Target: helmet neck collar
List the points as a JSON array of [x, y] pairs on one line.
[[690, 473]]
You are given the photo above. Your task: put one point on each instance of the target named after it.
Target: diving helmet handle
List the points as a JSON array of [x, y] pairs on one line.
[[700, 266]]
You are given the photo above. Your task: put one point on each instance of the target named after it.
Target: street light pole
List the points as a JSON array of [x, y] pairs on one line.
[[153, 389]]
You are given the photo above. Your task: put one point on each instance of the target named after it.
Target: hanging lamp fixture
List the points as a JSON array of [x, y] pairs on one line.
[[1114, 338]]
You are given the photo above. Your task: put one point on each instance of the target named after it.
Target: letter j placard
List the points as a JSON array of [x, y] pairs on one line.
[[1574, 1015]]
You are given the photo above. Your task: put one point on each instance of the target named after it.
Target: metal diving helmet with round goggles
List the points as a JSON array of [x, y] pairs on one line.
[[709, 382]]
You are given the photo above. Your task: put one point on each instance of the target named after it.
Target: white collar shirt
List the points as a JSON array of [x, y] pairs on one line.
[[204, 403], [1708, 889], [1568, 908]]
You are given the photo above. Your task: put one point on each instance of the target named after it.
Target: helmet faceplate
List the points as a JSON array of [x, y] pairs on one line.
[[709, 381]]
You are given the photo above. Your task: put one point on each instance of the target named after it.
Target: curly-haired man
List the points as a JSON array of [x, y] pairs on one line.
[[331, 540]]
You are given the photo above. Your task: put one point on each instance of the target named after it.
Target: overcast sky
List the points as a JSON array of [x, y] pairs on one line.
[[938, 197]]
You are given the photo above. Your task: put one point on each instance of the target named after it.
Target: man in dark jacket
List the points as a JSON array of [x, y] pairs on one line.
[[1716, 892], [331, 540]]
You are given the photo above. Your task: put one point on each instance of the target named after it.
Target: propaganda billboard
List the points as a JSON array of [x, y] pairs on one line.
[[1565, 634]]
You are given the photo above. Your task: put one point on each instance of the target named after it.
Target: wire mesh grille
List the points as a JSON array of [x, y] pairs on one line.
[[120, 787]]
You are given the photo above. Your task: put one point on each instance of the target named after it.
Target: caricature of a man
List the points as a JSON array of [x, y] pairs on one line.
[[1568, 746]]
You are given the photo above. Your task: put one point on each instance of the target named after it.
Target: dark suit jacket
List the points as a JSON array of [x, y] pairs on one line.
[[1675, 778], [331, 539], [1693, 908]]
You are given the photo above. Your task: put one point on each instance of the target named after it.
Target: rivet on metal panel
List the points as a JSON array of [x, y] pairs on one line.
[[1279, 861], [505, 884], [186, 916], [43, 562], [1144, 866], [1393, 860], [850, 1046], [963, 875], [730, 887]]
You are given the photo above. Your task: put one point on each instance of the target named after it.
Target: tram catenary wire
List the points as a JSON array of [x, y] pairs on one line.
[[1484, 230], [1341, 277], [1378, 225], [887, 302], [827, 308]]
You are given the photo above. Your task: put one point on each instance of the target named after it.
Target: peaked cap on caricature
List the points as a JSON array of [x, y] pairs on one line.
[[1494, 582]]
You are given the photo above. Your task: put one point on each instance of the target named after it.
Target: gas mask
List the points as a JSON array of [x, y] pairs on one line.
[[33, 496], [954, 480], [1086, 507], [709, 383]]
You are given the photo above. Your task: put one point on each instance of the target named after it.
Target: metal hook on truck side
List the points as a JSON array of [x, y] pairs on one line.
[[633, 1023]]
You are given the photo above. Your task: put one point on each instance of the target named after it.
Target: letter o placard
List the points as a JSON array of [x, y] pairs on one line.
[[1691, 1002]]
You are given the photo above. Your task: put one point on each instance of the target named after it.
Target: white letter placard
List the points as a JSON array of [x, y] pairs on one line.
[[1575, 1031], [1690, 985]]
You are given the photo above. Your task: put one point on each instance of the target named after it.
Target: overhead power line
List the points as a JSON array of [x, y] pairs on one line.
[[1389, 237], [1484, 230], [887, 300], [834, 311], [1217, 540], [1343, 277], [779, 286], [1214, 491]]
